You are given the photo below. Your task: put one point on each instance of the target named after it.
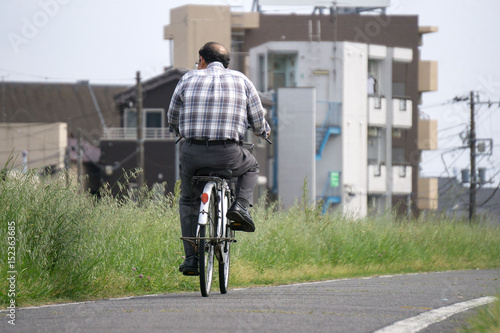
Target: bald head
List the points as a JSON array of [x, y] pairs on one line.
[[213, 51]]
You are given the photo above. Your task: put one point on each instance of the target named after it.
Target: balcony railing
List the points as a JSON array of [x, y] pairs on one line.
[[401, 179], [377, 178], [130, 133], [402, 110], [377, 110]]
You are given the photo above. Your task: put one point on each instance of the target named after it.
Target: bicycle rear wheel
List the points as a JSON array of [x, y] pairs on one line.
[[206, 248], [225, 252]]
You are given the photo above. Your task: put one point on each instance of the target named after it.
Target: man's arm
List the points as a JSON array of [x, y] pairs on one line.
[[256, 113], [175, 106]]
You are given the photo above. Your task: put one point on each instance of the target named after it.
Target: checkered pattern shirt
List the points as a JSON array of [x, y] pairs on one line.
[[216, 103]]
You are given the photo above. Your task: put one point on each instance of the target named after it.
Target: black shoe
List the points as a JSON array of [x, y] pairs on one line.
[[238, 213], [190, 266]]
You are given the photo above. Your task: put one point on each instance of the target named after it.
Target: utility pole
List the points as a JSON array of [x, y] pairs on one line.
[[472, 148], [4, 113], [473, 145], [140, 129], [80, 158]]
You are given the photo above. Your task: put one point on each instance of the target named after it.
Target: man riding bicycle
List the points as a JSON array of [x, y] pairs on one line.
[[212, 108]]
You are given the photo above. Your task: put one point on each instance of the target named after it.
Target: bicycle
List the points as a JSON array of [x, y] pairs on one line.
[[213, 233]]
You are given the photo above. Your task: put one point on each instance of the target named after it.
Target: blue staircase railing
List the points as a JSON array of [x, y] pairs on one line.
[[331, 126]]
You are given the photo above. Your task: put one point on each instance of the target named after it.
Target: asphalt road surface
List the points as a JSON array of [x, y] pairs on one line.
[[344, 305]]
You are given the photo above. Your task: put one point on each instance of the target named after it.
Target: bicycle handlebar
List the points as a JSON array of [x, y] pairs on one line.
[[268, 141]]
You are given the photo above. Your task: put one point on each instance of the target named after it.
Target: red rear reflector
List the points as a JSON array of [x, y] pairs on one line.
[[204, 198]]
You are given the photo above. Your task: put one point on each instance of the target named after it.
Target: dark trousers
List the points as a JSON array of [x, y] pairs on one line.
[[195, 156]]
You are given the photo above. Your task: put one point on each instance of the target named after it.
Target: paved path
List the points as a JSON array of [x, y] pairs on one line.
[[346, 305]]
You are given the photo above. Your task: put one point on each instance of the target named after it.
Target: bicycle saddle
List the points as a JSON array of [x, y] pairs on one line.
[[221, 173]]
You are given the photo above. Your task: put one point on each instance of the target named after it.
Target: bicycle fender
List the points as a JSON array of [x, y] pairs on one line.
[[203, 216]]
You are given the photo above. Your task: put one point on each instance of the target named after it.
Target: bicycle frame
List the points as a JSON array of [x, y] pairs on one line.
[[222, 193]]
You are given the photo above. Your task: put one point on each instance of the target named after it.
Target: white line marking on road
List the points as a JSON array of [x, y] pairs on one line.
[[423, 320]]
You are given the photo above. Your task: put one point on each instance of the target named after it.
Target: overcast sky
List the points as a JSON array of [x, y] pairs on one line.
[[107, 41]]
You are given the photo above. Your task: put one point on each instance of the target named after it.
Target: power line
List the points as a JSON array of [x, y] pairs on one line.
[[46, 77], [473, 101], [451, 127], [436, 105]]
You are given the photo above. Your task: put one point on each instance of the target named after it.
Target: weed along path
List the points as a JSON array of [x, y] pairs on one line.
[[344, 305]]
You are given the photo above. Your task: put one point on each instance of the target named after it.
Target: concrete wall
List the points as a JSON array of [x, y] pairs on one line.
[[192, 26], [296, 150], [45, 144], [354, 128]]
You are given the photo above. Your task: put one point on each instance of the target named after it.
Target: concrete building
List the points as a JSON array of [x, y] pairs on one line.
[[33, 145], [347, 88]]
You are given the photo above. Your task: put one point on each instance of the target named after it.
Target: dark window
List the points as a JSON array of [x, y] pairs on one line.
[[153, 119]]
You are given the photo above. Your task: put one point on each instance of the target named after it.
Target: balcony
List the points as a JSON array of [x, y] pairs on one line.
[[377, 178], [402, 110], [427, 134], [428, 193], [377, 111], [427, 75], [401, 179], [130, 133]]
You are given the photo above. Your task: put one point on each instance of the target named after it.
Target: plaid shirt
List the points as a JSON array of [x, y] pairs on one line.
[[216, 104]]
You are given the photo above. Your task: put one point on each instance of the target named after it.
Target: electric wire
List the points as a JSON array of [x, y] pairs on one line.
[[47, 77]]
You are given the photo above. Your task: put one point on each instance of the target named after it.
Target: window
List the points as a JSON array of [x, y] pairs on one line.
[[153, 118], [281, 69], [399, 79], [398, 156], [399, 89], [373, 77], [130, 118], [262, 72]]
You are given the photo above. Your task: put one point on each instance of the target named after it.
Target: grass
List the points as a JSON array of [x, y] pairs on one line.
[[71, 246], [487, 319]]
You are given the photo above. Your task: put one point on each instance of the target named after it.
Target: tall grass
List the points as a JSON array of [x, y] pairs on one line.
[[72, 246], [486, 319], [302, 244]]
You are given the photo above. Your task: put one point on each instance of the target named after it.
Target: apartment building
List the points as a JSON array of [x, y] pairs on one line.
[[346, 88]]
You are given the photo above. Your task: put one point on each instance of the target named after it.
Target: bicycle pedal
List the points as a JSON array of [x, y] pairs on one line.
[[235, 226]]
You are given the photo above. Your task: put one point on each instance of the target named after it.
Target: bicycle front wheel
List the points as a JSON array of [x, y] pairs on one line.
[[206, 248]]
